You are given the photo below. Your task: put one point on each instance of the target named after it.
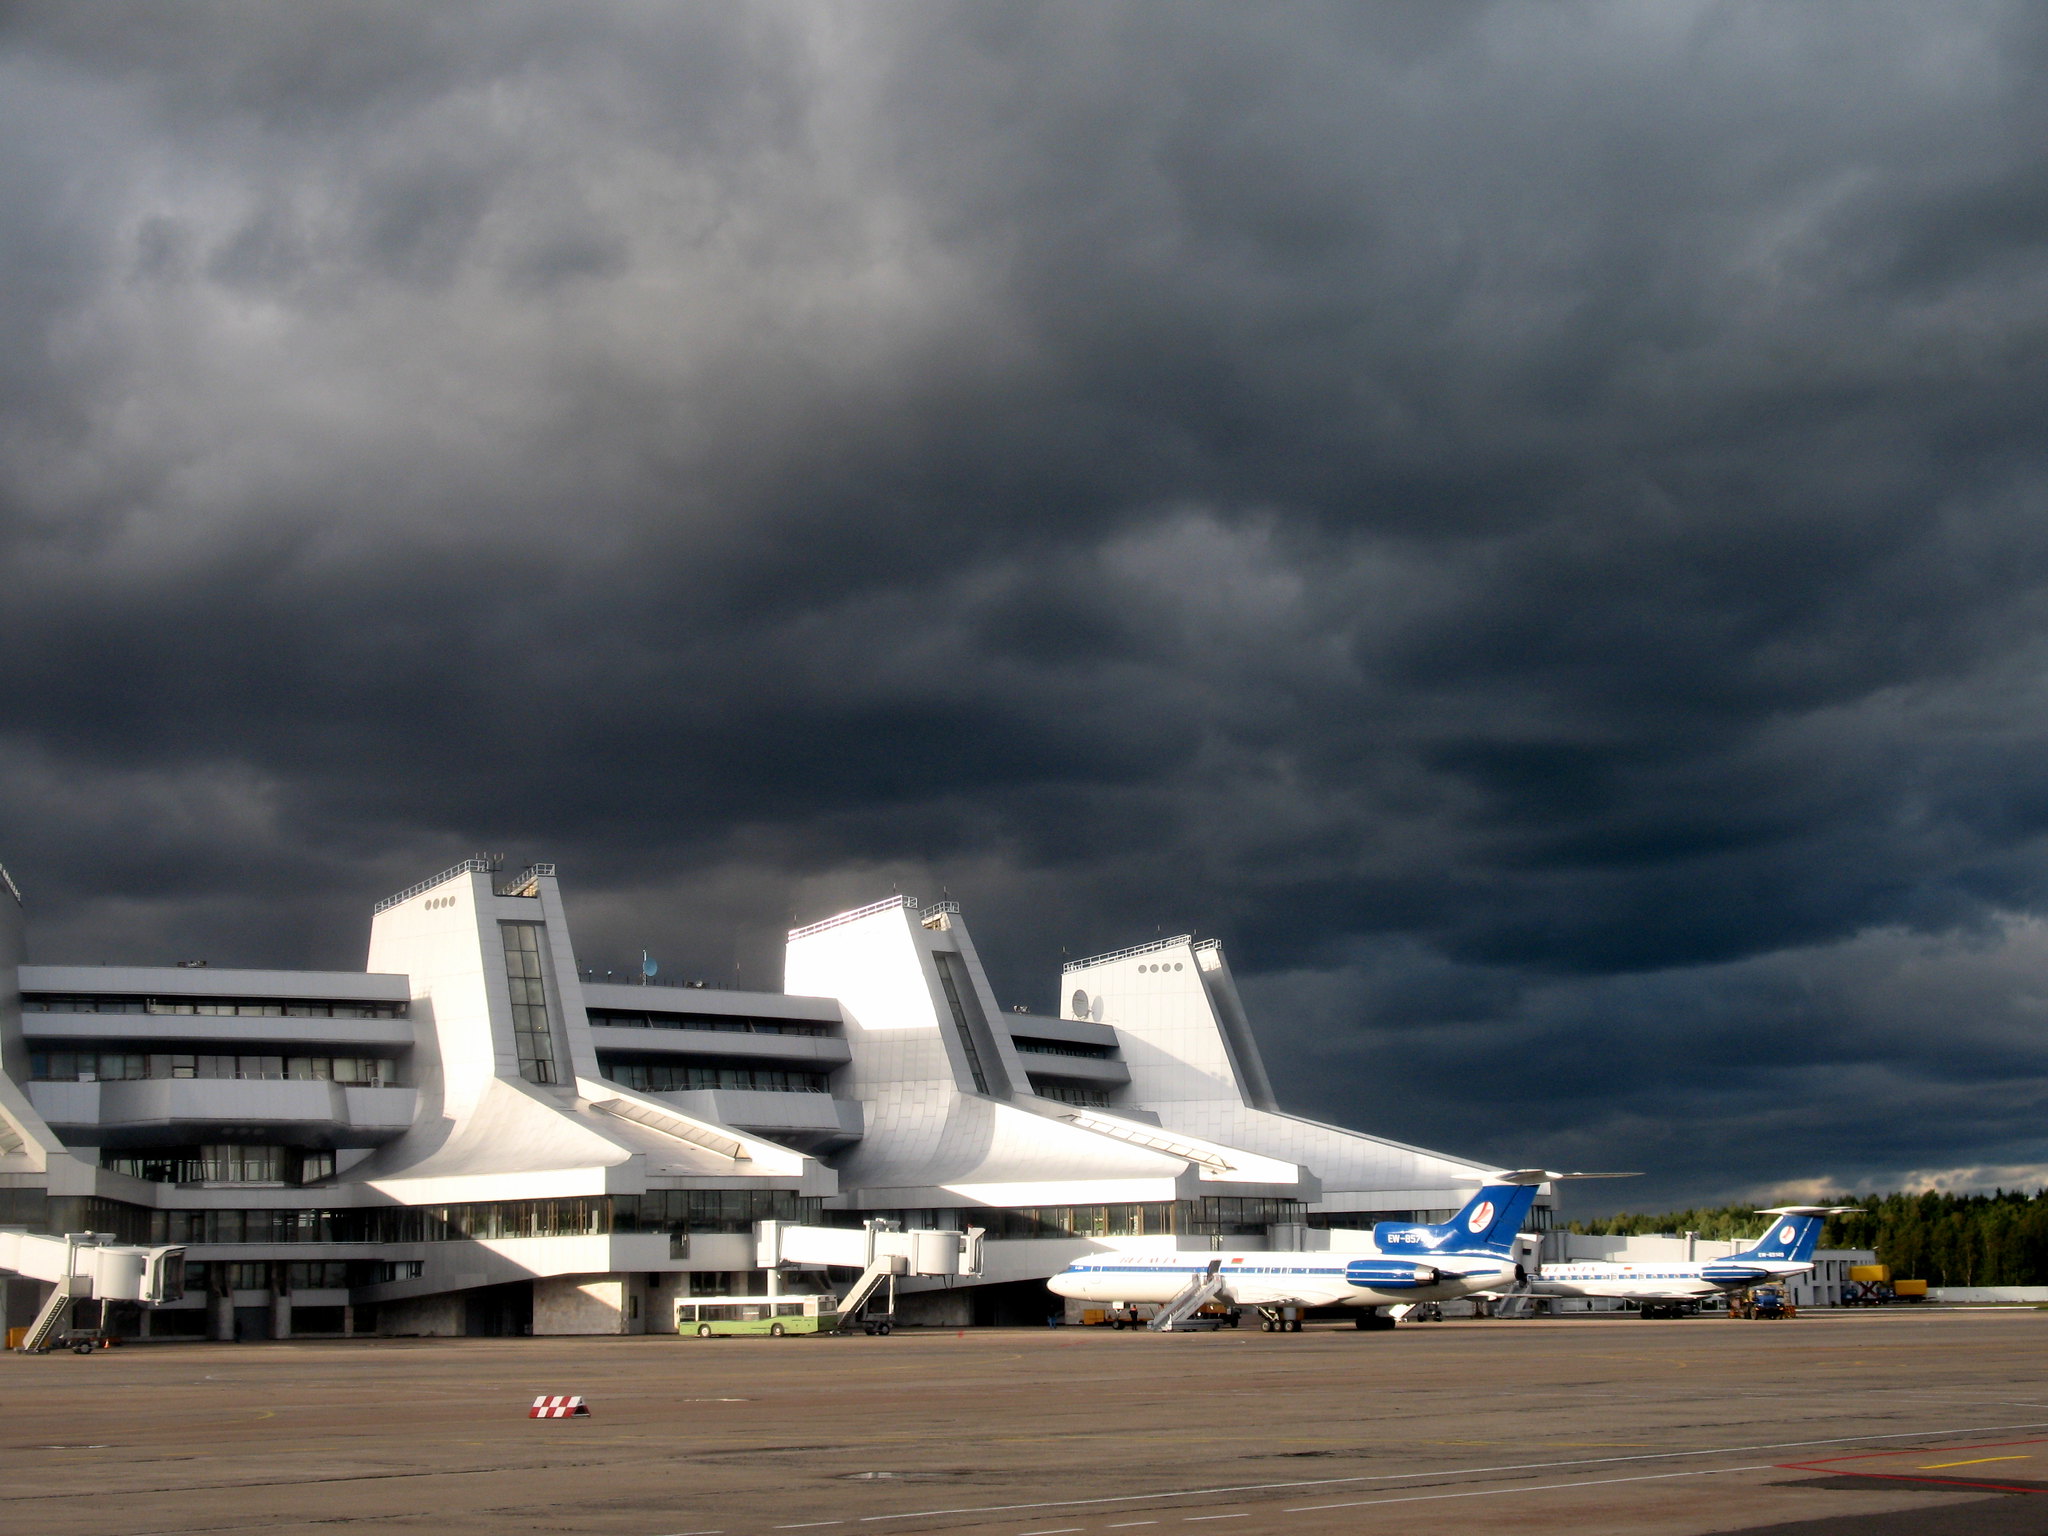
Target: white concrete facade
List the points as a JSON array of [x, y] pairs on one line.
[[468, 1136]]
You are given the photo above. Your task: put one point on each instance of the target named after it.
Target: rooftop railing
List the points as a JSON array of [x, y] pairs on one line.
[[839, 920], [488, 866], [1136, 949], [527, 882]]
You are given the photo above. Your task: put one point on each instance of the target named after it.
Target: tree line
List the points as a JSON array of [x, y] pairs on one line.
[[1995, 1239]]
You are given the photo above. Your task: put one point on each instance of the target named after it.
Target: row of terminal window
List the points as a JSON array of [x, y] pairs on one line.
[[134, 1066], [202, 1275], [222, 1163], [707, 1211], [1210, 1216], [691, 1210], [1059, 1048], [618, 1018], [669, 1077], [1078, 1094], [209, 1008], [1539, 1219]]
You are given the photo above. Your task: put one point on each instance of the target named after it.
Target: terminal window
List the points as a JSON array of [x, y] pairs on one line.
[[133, 1066], [209, 1007], [1078, 1094], [531, 1036], [689, 1210], [222, 1163], [742, 1024], [672, 1077]]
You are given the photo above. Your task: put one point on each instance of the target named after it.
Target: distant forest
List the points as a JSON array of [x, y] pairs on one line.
[[1994, 1239]]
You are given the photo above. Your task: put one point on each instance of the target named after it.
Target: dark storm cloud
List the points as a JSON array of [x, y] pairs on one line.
[[1528, 520]]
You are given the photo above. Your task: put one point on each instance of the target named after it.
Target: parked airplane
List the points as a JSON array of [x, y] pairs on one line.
[[1413, 1262], [1785, 1250]]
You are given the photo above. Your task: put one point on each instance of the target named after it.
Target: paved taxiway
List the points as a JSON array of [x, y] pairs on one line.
[[1881, 1424]]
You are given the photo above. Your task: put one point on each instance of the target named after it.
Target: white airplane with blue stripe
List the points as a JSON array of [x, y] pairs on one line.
[[1785, 1250], [1413, 1262]]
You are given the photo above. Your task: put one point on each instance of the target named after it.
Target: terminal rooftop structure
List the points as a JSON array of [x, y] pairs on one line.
[[469, 1136]]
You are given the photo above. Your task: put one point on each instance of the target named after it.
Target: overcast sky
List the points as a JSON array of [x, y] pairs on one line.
[[1529, 521]]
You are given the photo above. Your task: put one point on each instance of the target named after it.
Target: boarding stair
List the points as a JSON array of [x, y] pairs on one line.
[[1189, 1300], [883, 1271], [56, 1313], [1518, 1300]]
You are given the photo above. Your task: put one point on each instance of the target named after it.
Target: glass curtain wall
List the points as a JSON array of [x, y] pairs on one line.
[[532, 1035]]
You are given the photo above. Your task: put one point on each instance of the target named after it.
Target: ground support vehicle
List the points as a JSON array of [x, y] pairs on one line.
[[81, 1341], [1765, 1302], [710, 1317], [1881, 1293]]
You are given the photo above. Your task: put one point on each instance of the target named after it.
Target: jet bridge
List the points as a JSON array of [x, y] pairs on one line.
[[86, 1266], [879, 1249]]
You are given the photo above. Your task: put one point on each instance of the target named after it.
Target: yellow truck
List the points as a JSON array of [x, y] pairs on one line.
[[1872, 1285]]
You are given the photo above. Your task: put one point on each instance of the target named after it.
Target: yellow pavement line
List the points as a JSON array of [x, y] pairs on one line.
[[1935, 1466]]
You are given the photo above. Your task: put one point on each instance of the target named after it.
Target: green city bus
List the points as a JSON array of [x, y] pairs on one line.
[[713, 1316]]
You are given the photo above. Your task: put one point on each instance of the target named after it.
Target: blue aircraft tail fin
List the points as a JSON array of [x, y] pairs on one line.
[[1792, 1237], [1487, 1224]]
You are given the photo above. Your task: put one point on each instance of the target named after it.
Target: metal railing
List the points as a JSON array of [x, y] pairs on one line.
[[484, 866], [842, 918], [1136, 949], [527, 883]]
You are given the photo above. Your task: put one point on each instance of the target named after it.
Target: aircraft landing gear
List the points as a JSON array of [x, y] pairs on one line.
[[1279, 1319]]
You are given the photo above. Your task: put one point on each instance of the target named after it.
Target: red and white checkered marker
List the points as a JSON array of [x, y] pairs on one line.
[[558, 1407]]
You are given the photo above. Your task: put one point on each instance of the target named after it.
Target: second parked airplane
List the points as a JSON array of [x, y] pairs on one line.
[[1785, 1250], [1415, 1262]]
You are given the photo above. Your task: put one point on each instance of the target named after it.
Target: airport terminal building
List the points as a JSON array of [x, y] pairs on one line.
[[471, 1136]]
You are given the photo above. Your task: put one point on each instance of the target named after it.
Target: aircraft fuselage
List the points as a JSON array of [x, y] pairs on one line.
[[1285, 1279]]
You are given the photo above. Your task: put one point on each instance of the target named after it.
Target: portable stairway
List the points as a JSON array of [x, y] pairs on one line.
[[56, 1314], [883, 1271], [1519, 1300], [1190, 1299]]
